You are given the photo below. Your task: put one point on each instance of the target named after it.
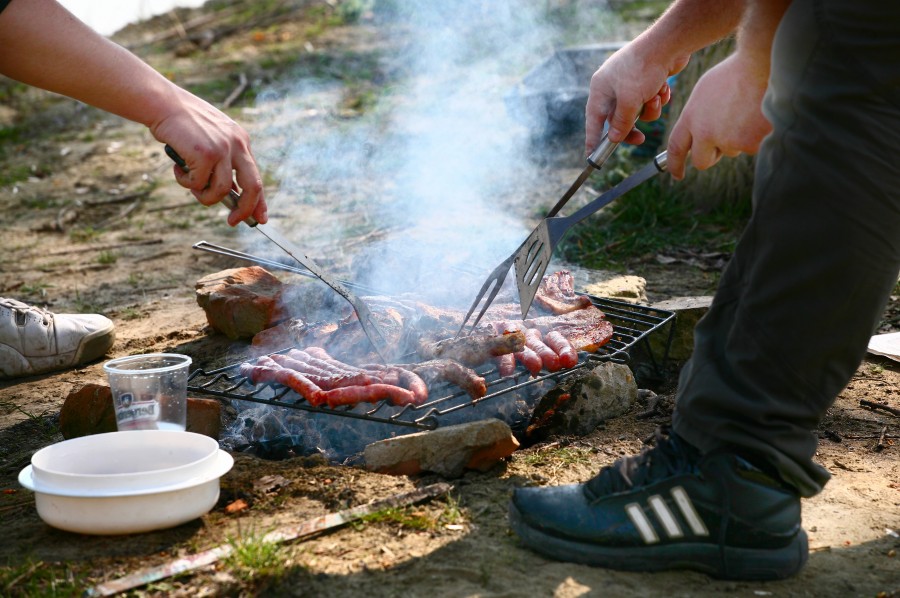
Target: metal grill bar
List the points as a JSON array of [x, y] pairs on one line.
[[631, 324]]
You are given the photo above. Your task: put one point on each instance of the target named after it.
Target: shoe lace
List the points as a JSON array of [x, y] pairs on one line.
[[21, 309], [669, 456]]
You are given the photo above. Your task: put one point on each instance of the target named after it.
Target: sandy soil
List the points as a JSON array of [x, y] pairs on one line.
[[74, 244]]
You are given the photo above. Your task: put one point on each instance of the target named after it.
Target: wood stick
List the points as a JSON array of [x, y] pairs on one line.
[[879, 446], [105, 247], [874, 405], [290, 532], [243, 84]]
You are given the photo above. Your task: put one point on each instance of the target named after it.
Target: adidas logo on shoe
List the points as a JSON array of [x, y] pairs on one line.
[[669, 508]]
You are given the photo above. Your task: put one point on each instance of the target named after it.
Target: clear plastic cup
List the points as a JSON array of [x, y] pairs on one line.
[[149, 391]]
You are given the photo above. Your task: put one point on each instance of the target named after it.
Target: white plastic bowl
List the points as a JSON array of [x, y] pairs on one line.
[[126, 482]]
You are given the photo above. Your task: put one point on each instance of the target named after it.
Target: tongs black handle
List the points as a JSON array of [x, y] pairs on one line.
[[230, 200]]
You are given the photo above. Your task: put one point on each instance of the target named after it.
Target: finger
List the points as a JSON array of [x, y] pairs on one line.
[[652, 109], [635, 137], [665, 94], [705, 155], [218, 186], [622, 121], [678, 147], [593, 128], [252, 194]]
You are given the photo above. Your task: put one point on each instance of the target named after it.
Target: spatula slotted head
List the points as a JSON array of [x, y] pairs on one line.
[[532, 261]]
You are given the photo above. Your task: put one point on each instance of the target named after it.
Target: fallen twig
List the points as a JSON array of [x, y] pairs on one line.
[[105, 247], [243, 84], [290, 532], [117, 198], [184, 204], [879, 446], [874, 405]]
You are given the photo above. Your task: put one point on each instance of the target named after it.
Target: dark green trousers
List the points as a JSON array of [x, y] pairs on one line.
[[811, 275]]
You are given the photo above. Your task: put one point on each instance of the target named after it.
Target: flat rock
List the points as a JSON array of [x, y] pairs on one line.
[[241, 302], [446, 451], [631, 289], [582, 402], [688, 311]]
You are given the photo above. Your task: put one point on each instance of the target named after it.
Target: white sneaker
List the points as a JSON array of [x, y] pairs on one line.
[[35, 341]]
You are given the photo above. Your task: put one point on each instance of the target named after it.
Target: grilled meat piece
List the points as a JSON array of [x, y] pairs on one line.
[[370, 393], [475, 349], [556, 294], [568, 356], [451, 371], [534, 340], [266, 370], [587, 329]]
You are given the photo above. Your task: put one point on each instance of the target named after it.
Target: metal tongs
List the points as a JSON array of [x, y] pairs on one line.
[[495, 279], [369, 325]]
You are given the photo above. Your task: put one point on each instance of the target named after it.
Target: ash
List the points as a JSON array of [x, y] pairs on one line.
[[282, 432]]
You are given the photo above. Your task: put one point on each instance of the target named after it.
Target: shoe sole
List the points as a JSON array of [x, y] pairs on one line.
[[728, 562], [95, 345]]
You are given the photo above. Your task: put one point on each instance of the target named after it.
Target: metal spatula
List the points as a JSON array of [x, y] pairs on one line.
[[534, 255], [496, 278]]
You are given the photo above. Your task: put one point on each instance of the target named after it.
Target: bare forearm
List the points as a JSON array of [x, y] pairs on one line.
[[756, 33], [687, 26], [45, 46]]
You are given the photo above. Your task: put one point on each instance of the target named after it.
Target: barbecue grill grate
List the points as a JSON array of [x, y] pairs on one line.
[[631, 324]]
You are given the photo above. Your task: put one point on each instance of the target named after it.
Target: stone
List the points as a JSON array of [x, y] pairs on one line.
[[89, 410], [447, 451], [241, 302], [631, 289], [582, 402], [688, 311]]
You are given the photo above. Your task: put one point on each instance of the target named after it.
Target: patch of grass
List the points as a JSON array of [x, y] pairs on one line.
[[35, 288], [107, 257], [252, 557], [37, 578], [84, 235], [648, 220], [402, 517], [566, 456], [13, 174]]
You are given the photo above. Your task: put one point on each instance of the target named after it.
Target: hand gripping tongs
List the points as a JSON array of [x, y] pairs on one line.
[[369, 325], [495, 279]]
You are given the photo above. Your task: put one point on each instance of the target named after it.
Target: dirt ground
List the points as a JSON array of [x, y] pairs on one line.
[[99, 226]]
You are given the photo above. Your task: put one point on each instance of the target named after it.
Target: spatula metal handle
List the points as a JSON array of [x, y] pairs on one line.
[[231, 200]]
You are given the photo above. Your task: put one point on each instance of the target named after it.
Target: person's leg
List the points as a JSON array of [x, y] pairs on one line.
[[811, 275], [36, 341], [789, 324]]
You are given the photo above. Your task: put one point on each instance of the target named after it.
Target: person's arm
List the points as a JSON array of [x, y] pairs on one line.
[[724, 115], [634, 78], [46, 46]]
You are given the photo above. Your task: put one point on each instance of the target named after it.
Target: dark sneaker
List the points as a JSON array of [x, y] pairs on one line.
[[669, 508]]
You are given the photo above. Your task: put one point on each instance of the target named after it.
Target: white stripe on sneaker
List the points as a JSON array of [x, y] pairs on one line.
[[689, 512], [671, 527], [640, 521]]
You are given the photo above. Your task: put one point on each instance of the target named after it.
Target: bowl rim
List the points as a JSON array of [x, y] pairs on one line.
[[40, 454], [223, 463]]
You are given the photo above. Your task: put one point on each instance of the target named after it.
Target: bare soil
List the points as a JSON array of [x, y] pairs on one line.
[[99, 226]]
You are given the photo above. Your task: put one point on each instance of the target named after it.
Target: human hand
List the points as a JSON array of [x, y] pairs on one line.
[[629, 83], [722, 117], [216, 154]]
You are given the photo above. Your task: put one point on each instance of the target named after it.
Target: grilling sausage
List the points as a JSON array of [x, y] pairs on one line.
[[568, 357], [371, 393], [535, 342]]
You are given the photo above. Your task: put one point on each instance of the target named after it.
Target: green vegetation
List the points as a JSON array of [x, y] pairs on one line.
[[253, 557], [39, 579], [651, 218], [565, 456], [107, 257]]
